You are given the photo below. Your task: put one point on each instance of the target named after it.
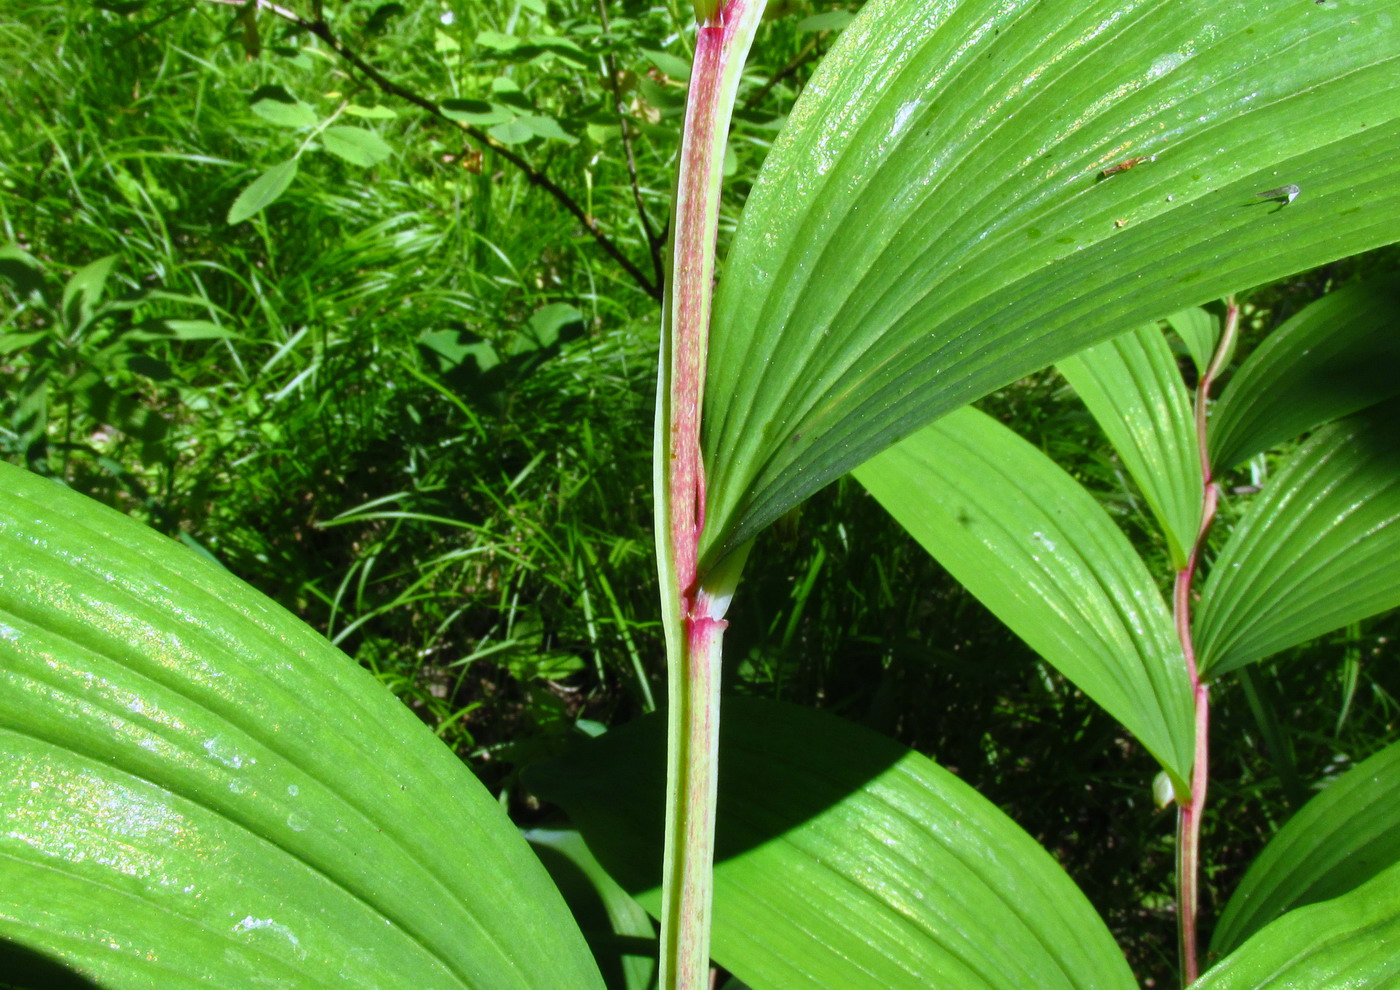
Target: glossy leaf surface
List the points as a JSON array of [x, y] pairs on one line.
[[1134, 391], [935, 220], [844, 860], [1319, 548], [1347, 942], [199, 790], [1338, 355], [1037, 550], [1338, 841]]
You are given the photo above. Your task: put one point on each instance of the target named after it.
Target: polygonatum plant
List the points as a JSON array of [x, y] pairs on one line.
[[200, 790]]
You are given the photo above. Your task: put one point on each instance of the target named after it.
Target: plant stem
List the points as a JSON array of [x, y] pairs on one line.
[[693, 612], [1188, 831]]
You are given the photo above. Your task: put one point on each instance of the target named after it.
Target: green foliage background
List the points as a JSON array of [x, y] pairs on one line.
[[412, 402]]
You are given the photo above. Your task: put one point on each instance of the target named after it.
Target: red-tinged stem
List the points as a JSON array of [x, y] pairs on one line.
[[1188, 832], [693, 605]]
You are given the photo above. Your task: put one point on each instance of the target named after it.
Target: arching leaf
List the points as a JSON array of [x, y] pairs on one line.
[[1338, 841], [1037, 550], [1338, 355], [1347, 942], [1320, 546], [199, 790], [844, 860], [948, 209], [1134, 391]]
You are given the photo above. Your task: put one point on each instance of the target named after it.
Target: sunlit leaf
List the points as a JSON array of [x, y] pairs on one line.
[[355, 145], [1338, 355], [199, 790], [1319, 548], [1134, 391], [844, 860], [1037, 550], [1338, 841], [1347, 942], [935, 221]]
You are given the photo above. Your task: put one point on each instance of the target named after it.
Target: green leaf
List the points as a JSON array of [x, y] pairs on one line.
[[1134, 391], [545, 127], [1338, 841], [1199, 330], [672, 65], [477, 112], [374, 112], [199, 330], [844, 860], [84, 290], [617, 928], [1338, 355], [294, 115], [496, 41], [263, 191], [1347, 942], [1319, 548], [1043, 556], [355, 145], [514, 131], [831, 20], [933, 223], [198, 789]]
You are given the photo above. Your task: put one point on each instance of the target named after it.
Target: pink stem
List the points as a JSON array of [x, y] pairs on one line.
[[1188, 848]]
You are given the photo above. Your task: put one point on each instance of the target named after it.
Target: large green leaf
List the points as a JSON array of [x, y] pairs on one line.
[[934, 221], [1319, 548], [844, 860], [1037, 550], [1338, 355], [1347, 942], [1134, 390], [1338, 841], [199, 790]]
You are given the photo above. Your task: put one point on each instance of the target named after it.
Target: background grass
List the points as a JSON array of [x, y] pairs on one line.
[[412, 402]]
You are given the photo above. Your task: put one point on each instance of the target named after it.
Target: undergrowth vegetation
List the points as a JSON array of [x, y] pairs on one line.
[[411, 400]]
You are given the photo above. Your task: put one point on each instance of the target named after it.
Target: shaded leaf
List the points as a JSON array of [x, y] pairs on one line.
[[1338, 355], [263, 191], [83, 291], [198, 789], [933, 222], [671, 65], [1338, 841], [355, 145], [1347, 942], [1044, 557], [1319, 548], [843, 860], [618, 929], [1134, 391]]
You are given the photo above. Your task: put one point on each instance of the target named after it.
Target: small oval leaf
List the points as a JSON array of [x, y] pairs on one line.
[[263, 191]]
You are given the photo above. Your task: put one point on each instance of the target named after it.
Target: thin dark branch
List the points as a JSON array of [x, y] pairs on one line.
[[654, 240], [808, 51], [322, 30]]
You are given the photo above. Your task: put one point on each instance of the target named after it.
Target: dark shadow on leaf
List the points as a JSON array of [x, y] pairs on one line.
[[780, 765], [24, 968]]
